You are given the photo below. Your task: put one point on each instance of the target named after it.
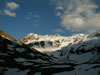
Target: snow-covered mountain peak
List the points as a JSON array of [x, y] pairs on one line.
[[95, 34], [35, 37], [50, 43], [31, 36], [73, 47]]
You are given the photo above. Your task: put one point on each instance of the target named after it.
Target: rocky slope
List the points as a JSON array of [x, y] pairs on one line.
[[16, 58]]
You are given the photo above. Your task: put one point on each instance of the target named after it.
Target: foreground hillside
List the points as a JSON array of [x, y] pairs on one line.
[[19, 58]]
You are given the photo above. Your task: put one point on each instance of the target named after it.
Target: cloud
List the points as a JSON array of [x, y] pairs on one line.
[[34, 18], [59, 8], [12, 5], [58, 30], [59, 11], [29, 15], [58, 14], [10, 9], [7, 12], [78, 15]]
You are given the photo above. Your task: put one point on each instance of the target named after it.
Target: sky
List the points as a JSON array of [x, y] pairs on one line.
[[66, 17]]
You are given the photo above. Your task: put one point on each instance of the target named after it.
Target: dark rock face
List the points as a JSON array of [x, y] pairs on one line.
[[14, 55], [42, 43]]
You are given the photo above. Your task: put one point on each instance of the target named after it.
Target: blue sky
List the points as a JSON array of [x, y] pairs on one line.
[[66, 17]]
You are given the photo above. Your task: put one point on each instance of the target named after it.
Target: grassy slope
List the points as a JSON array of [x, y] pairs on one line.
[[6, 35]]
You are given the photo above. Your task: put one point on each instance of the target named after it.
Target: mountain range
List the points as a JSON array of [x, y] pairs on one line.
[[50, 54]]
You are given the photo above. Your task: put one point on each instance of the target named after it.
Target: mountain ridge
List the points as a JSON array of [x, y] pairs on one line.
[[6, 35], [70, 47], [78, 54]]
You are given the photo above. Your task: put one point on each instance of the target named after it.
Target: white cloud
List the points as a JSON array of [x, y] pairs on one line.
[[59, 11], [78, 15], [10, 7], [7, 12], [58, 30], [29, 15], [58, 14], [36, 16], [36, 20], [59, 8]]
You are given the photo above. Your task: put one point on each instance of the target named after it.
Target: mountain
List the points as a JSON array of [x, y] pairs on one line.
[[85, 46], [51, 55], [6, 35], [16, 58], [50, 41], [80, 49]]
